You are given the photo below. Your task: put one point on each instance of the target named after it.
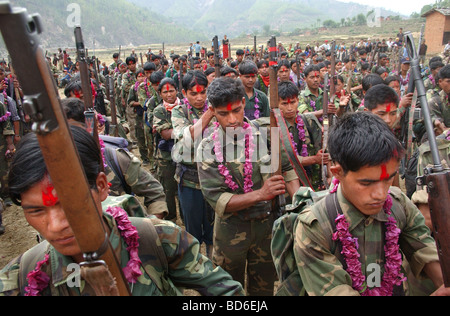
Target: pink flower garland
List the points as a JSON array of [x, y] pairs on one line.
[[5, 117], [130, 235], [39, 280], [248, 166], [257, 111], [392, 275], [301, 136], [102, 149]]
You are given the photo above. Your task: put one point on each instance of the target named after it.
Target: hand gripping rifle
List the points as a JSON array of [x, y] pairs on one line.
[[436, 178], [326, 126], [41, 102]]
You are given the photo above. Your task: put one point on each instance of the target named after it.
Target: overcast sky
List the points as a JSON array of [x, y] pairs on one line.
[[405, 7]]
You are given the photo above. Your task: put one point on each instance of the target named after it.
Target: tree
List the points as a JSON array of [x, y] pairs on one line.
[[266, 30], [361, 19]]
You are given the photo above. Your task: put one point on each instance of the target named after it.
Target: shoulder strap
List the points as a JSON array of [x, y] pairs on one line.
[[150, 249], [113, 163]]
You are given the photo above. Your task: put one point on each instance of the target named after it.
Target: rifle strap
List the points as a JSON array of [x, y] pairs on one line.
[[286, 141], [100, 279]]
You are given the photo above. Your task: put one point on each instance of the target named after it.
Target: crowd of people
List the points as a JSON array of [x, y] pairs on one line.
[[201, 154]]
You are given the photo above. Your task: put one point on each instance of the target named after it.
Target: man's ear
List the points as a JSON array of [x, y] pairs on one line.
[[336, 170], [102, 186]]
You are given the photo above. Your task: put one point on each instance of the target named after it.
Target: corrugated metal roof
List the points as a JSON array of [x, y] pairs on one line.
[[444, 11]]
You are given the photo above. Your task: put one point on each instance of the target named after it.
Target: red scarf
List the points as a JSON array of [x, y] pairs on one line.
[[266, 80]]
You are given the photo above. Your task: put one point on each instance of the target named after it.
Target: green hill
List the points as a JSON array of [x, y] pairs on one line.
[[109, 22]]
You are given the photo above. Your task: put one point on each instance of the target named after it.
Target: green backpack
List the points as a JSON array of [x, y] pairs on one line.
[[282, 245]]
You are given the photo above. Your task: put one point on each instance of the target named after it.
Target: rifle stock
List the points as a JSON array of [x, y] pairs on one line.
[[273, 91], [437, 179], [216, 56], [20, 32]]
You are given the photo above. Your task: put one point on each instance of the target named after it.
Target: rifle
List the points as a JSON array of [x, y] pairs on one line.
[[436, 178], [216, 56], [325, 124], [110, 92], [273, 72], [254, 49], [20, 33], [100, 98]]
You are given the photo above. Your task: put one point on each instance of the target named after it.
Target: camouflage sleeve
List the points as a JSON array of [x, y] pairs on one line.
[[142, 183], [160, 121], [320, 270], [126, 84], [180, 123], [189, 268], [302, 104], [435, 109], [415, 239], [142, 94], [9, 279]]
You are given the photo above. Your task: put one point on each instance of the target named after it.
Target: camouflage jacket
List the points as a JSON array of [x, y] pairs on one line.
[[187, 267], [137, 181], [128, 80], [215, 190], [162, 120], [185, 148], [318, 257], [440, 108], [308, 102]]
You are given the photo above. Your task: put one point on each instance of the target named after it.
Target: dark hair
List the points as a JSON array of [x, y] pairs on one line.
[[226, 70], [74, 109], [444, 73], [28, 165], [209, 71], [263, 62], [116, 55], [380, 94], [390, 79], [193, 78], [284, 62], [156, 77], [166, 81], [149, 66], [287, 89], [309, 69], [362, 139], [371, 80], [436, 64], [73, 85], [130, 59], [248, 67], [224, 90]]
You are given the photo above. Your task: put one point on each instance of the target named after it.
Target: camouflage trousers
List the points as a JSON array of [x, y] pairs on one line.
[[141, 139], [242, 248], [166, 175], [131, 118]]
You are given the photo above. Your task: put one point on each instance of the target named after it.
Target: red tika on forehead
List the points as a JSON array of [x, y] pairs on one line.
[[229, 107], [384, 174], [167, 87], [199, 88], [49, 196]]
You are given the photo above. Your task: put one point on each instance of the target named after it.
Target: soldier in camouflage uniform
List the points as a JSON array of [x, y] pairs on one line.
[[120, 102], [362, 148], [162, 125], [124, 171], [352, 79], [244, 214], [305, 125], [439, 105], [128, 81], [430, 81], [135, 106], [193, 115], [311, 98], [169, 258]]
